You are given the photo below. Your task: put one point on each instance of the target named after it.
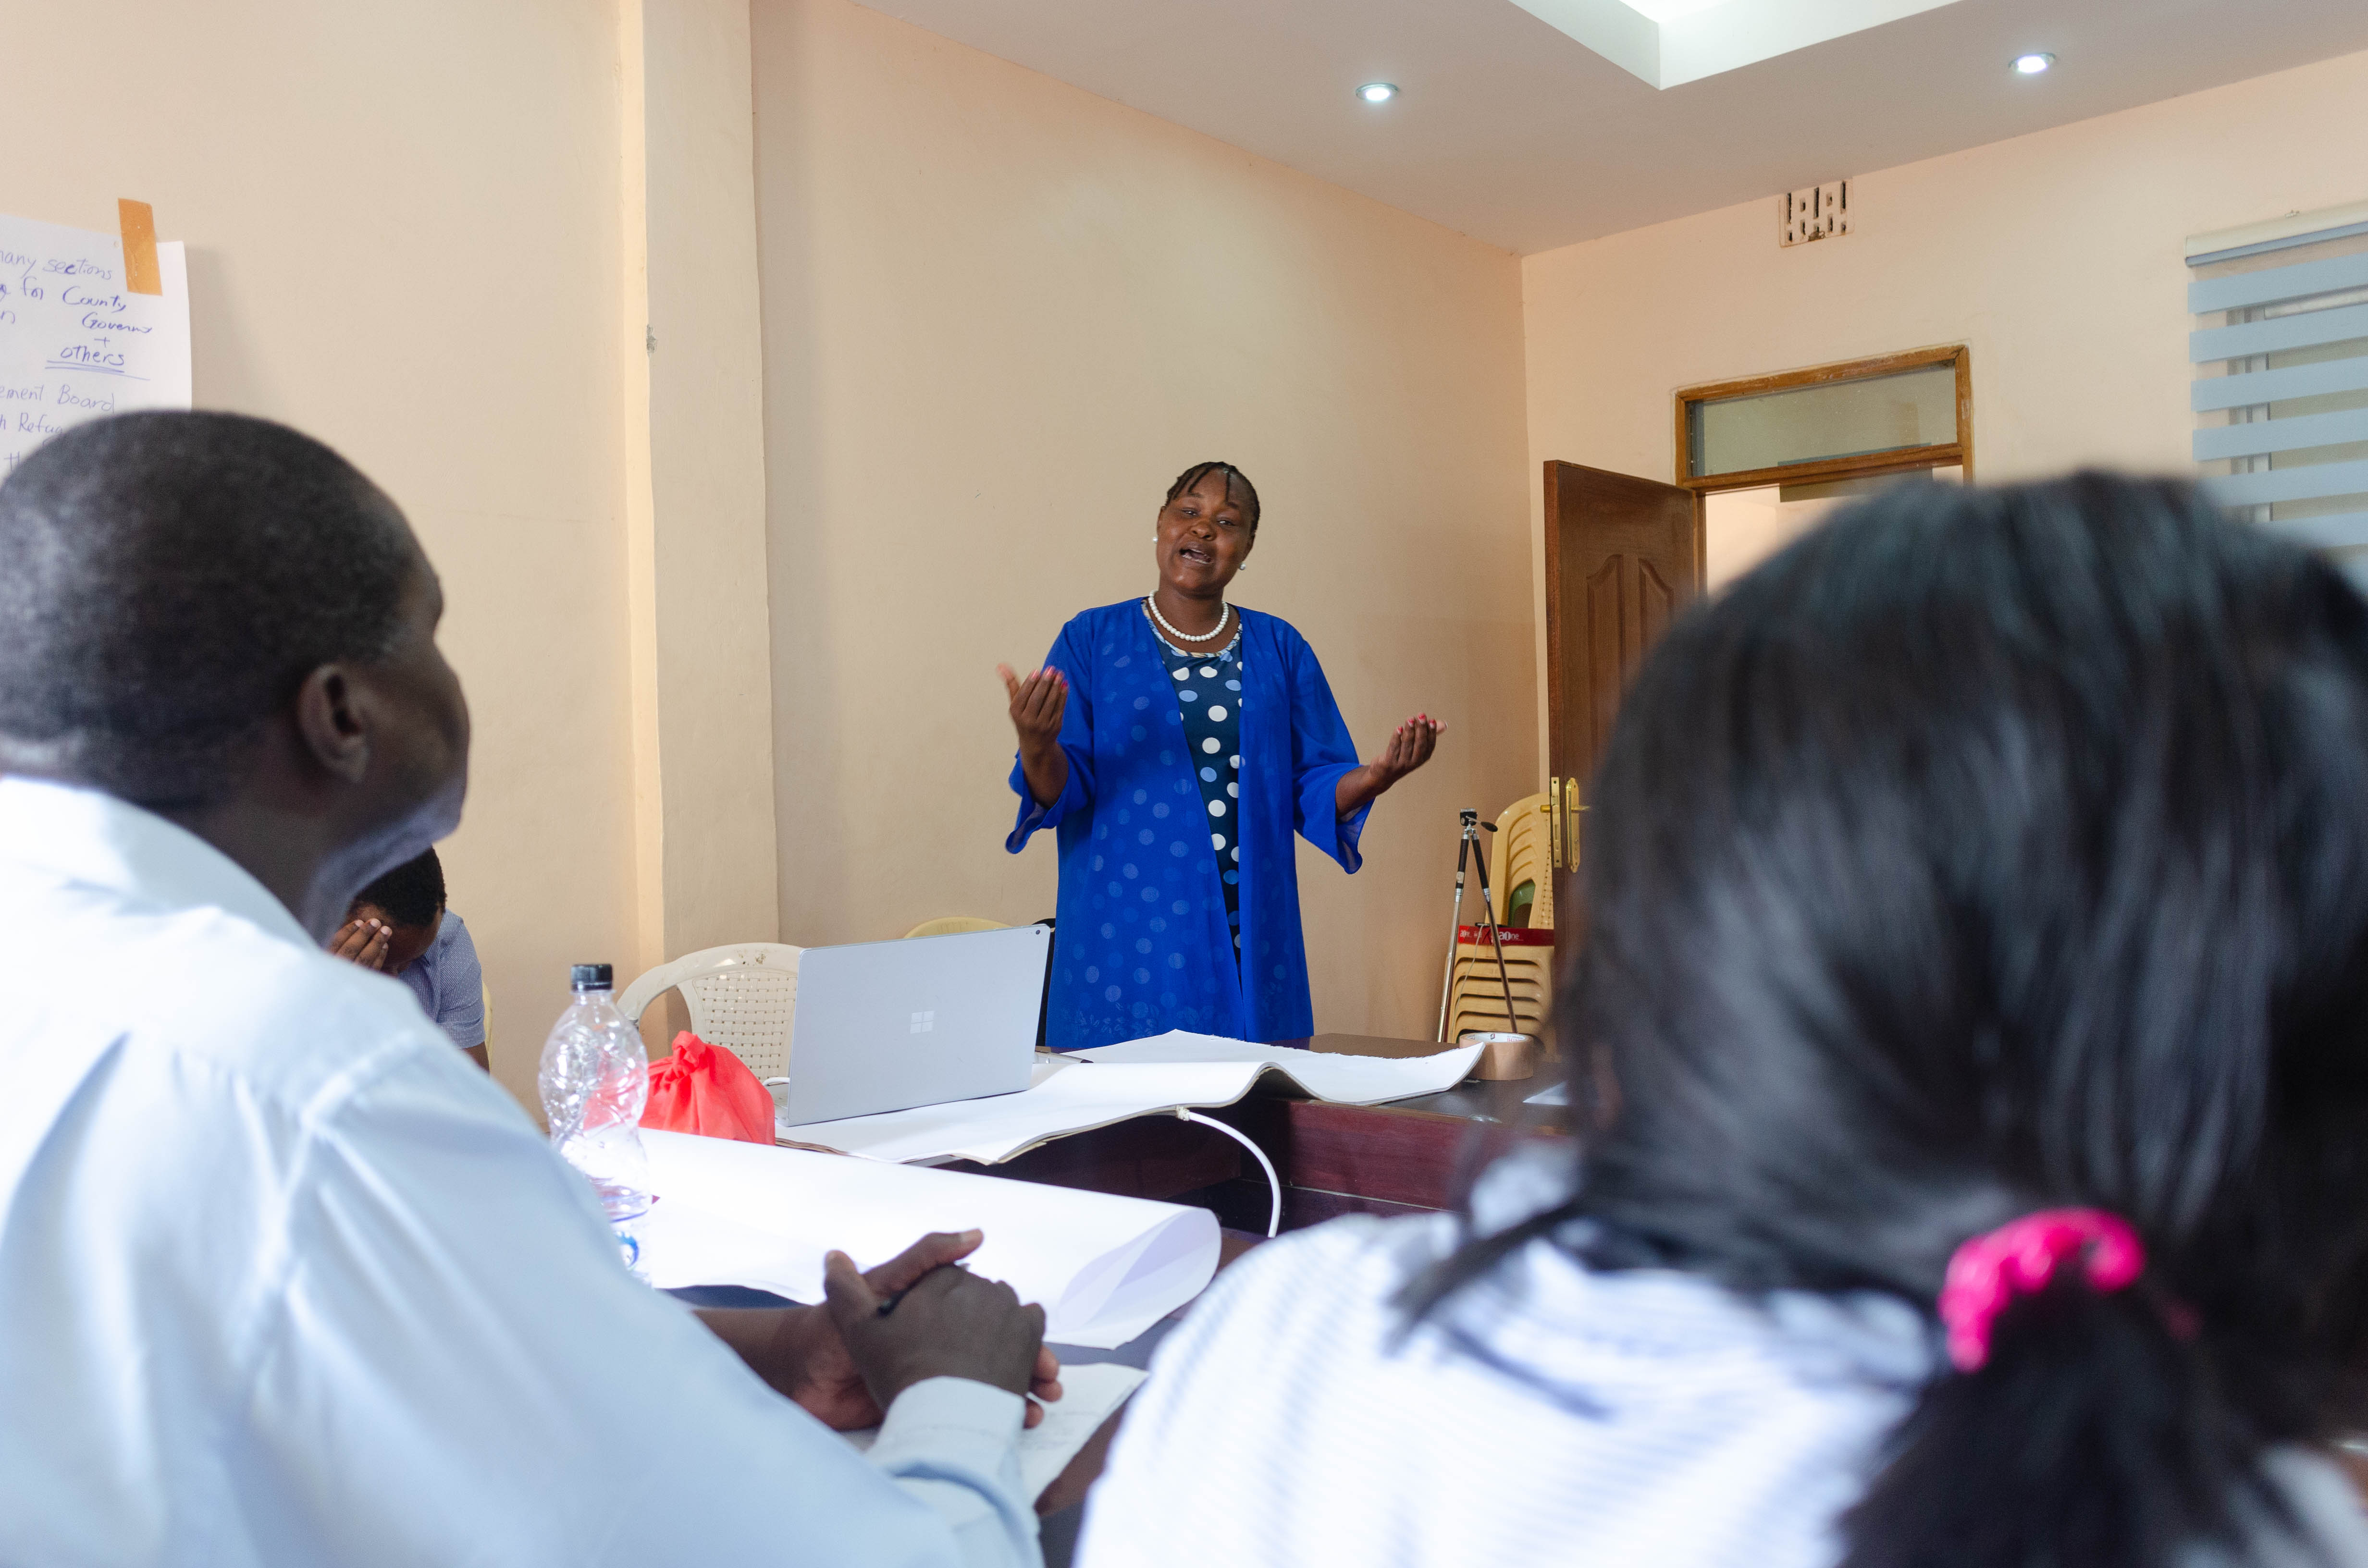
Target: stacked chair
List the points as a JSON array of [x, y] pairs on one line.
[[1520, 878]]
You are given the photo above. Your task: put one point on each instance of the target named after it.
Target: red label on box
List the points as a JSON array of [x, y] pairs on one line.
[[1510, 936]]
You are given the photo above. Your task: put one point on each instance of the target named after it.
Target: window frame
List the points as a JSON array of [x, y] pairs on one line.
[[1902, 459]]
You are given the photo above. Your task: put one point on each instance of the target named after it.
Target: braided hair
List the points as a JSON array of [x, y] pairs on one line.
[[1238, 488]]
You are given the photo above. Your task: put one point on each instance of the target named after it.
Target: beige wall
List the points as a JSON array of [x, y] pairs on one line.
[[404, 233], [439, 237], [2055, 256], [694, 458], [996, 315], [1000, 315]]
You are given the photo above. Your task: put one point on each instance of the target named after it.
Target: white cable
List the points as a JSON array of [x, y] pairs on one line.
[[1274, 1184]]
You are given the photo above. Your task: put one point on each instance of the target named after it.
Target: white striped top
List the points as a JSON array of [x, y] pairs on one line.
[[1547, 1415]]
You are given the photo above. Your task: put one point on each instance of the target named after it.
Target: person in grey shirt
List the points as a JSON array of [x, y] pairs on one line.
[[400, 925]]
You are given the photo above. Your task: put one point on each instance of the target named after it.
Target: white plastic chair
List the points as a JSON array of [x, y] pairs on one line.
[[741, 997], [955, 925]]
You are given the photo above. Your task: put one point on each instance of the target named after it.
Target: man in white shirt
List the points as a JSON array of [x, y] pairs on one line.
[[284, 1278]]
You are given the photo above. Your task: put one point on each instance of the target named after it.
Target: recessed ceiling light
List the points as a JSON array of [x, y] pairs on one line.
[[2032, 64], [1378, 92]]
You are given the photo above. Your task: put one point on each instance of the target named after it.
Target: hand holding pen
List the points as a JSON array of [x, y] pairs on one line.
[[948, 1323]]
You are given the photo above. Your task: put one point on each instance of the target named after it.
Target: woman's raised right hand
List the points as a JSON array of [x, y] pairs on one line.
[[1038, 700]]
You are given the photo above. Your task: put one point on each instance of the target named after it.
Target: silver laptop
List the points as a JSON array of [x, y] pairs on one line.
[[887, 1026]]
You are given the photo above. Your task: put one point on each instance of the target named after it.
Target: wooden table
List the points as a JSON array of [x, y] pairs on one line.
[[1402, 1157], [1405, 1157]]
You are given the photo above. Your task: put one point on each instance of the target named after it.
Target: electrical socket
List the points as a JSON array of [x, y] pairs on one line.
[[1814, 212]]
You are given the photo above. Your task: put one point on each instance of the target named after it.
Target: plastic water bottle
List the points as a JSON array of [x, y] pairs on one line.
[[594, 1080]]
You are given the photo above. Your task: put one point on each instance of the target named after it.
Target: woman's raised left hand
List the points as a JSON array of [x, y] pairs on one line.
[[1410, 746]]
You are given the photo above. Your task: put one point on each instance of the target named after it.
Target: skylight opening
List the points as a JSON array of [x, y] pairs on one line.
[[1670, 42], [1667, 11]]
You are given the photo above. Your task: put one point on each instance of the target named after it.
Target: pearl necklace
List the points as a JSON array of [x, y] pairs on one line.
[[1225, 614]]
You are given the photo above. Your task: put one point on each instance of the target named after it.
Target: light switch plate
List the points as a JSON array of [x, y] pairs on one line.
[[1813, 213]]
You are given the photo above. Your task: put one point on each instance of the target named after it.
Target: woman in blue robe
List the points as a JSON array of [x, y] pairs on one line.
[[1174, 744]]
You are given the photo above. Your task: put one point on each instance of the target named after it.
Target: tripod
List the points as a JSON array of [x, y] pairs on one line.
[[1469, 853]]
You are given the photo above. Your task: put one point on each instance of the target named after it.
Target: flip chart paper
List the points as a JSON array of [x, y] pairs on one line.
[[1345, 1080], [1073, 1099], [1104, 1268], [76, 343], [1116, 1083]]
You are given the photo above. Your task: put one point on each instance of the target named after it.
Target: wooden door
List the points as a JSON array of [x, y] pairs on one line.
[[1623, 555]]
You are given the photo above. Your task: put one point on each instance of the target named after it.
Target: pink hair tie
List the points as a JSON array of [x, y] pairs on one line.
[[2019, 1258]]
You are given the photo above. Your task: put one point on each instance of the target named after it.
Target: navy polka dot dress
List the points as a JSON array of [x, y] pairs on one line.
[[1209, 697], [1191, 777]]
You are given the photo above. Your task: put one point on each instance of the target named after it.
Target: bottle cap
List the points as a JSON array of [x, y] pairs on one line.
[[591, 977]]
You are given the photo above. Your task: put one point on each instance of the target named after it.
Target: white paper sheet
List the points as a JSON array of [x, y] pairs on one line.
[[730, 1213], [1074, 1099], [73, 343], [1088, 1394], [1116, 1083], [1345, 1080]]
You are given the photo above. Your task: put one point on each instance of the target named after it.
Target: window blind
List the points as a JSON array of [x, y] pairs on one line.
[[2280, 344]]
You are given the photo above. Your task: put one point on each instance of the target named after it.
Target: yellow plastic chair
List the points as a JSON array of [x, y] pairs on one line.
[[1519, 853], [1522, 853], [953, 925], [741, 997], [1478, 998]]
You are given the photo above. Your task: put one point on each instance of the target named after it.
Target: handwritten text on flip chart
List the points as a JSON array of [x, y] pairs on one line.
[[74, 344]]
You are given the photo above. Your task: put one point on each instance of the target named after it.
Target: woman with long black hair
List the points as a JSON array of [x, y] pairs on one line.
[[1970, 1040]]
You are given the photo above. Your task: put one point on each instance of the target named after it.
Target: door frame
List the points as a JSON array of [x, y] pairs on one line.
[[1555, 609], [1902, 459], [1564, 791]]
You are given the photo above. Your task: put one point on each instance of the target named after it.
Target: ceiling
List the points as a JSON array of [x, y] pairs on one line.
[[1669, 42], [1514, 132]]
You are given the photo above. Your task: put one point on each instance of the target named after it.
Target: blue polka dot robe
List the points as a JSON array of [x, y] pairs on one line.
[[1143, 945]]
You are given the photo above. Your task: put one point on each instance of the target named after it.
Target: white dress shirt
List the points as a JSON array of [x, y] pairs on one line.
[[1547, 1417], [285, 1280]]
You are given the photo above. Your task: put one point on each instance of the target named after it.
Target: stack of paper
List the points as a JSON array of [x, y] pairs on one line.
[[1116, 1083], [1104, 1268]]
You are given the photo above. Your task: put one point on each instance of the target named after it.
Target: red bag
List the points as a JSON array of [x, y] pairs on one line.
[[705, 1089]]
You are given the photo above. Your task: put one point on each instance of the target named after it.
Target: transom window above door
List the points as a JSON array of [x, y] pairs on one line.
[[1769, 456], [1863, 418]]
